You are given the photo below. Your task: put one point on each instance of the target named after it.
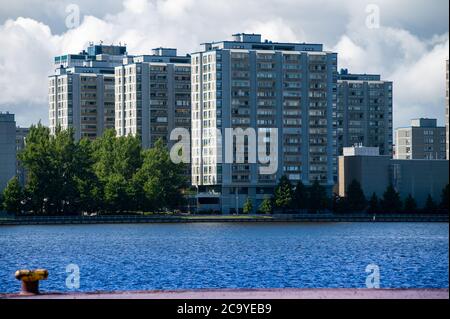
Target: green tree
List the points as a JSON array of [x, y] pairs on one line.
[[283, 194], [12, 196], [89, 189], [38, 157], [374, 204], [391, 202], [248, 206], [410, 205], [430, 205], [339, 204], [266, 206], [162, 181], [300, 196], [355, 198], [116, 162], [445, 197], [318, 198]]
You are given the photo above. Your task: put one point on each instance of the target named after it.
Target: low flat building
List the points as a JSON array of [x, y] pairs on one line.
[[419, 178]]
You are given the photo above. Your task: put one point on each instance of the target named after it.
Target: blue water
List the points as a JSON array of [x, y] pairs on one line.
[[215, 255]]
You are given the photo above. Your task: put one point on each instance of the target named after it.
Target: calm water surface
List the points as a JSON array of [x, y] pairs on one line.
[[227, 255]]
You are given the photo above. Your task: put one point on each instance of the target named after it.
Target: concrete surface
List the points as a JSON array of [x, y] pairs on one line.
[[251, 294]]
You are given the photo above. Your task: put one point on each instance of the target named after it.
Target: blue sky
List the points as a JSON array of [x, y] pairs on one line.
[[409, 47]]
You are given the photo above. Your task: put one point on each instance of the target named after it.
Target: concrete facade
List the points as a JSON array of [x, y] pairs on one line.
[[416, 177], [153, 96], [423, 140], [364, 111], [7, 149], [247, 83], [81, 92]]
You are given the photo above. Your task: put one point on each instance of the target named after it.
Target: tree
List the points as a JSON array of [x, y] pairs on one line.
[[445, 197], [391, 202], [300, 196], [283, 194], [318, 198], [89, 189], [38, 157], [116, 162], [339, 204], [374, 204], [12, 196], [161, 180], [266, 206], [410, 204], [355, 198], [248, 206], [430, 205]]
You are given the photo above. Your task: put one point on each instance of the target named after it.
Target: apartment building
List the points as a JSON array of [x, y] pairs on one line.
[[423, 140], [283, 88], [81, 92], [364, 112], [7, 148], [153, 95]]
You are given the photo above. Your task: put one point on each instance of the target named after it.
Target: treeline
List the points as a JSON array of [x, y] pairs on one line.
[[110, 174], [314, 198]]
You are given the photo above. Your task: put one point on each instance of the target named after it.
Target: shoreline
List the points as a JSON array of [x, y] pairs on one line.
[[283, 293], [278, 218]]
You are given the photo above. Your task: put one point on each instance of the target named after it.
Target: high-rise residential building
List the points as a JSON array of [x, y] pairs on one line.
[[7, 148], [423, 140], [287, 88], [447, 133], [81, 92], [364, 112], [153, 96], [21, 136]]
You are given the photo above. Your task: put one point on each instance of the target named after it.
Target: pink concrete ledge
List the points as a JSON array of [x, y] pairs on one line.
[[251, 294]]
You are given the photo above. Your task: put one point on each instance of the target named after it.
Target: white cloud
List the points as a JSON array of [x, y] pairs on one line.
[[409, 48], [417, 67]]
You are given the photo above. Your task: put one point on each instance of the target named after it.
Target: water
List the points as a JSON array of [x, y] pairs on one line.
[[227, 255]]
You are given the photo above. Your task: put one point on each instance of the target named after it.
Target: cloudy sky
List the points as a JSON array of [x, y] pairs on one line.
[[409, 47]]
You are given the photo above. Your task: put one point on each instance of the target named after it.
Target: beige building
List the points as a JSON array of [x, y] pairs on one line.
[[422, 140], [81, 92], [247, 83], [153, 96], [419, 178], [364, 111]]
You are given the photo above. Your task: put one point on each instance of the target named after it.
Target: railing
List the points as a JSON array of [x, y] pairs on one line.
[[303, 217]]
